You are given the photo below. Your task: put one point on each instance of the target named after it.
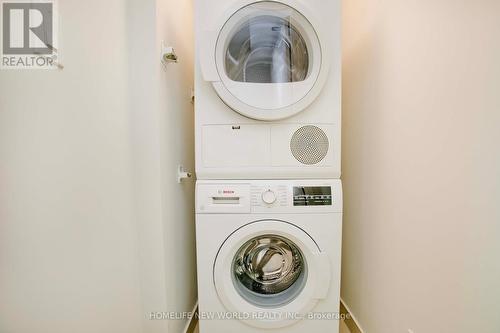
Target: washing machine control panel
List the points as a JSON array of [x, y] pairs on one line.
[[301, 196], [271, 196]]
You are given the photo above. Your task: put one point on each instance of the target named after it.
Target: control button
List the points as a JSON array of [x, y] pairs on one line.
[[269, 197]]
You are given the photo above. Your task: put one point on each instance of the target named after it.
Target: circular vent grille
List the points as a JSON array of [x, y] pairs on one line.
[[309, 145]]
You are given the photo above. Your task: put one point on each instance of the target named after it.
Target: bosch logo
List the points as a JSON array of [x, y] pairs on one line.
[[225, 191]]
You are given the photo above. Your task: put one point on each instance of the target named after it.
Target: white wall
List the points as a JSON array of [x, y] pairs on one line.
[[94, 230], [175, 28], [162, 139], [147, 170], [421, 161], [68, 250]]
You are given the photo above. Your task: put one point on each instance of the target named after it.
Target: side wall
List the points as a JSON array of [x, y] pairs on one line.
[[162, 139], [421, 165], [175, 28]]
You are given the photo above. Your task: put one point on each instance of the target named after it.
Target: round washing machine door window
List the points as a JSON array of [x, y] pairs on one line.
[[270, 62], [271, 273]]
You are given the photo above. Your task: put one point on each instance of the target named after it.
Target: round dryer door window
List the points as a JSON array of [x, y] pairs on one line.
[[269, 60], [273, 267]]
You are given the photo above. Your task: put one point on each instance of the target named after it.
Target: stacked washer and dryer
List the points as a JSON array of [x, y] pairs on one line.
[[268, 195]]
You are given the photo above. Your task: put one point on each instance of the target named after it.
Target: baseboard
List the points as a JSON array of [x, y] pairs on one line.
[[352, 323], [191, 324]]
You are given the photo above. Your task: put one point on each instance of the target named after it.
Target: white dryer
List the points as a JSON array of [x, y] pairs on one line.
[[267, 89], [269, 255]]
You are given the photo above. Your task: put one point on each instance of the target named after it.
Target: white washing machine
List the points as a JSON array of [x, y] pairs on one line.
[[267, 89], [269, 255]]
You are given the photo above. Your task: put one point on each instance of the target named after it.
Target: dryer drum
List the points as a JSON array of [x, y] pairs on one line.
[[267, 49], [268, 265]]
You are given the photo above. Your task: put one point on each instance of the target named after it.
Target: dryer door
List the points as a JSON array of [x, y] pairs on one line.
[[270, 273], [268, 60]]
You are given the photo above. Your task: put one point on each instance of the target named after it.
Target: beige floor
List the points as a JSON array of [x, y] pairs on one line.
[[343, 328]]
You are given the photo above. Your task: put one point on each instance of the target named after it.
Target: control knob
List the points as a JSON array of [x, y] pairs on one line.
[[269, 197]]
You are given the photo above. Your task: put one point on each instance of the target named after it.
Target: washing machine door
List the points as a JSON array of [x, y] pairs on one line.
[[271, 273], [267, 61]]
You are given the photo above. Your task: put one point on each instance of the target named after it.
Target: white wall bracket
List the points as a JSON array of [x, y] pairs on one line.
[[183, 174], [168, 55]]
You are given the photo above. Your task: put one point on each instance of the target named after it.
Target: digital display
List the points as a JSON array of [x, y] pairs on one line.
[[312, 196]]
